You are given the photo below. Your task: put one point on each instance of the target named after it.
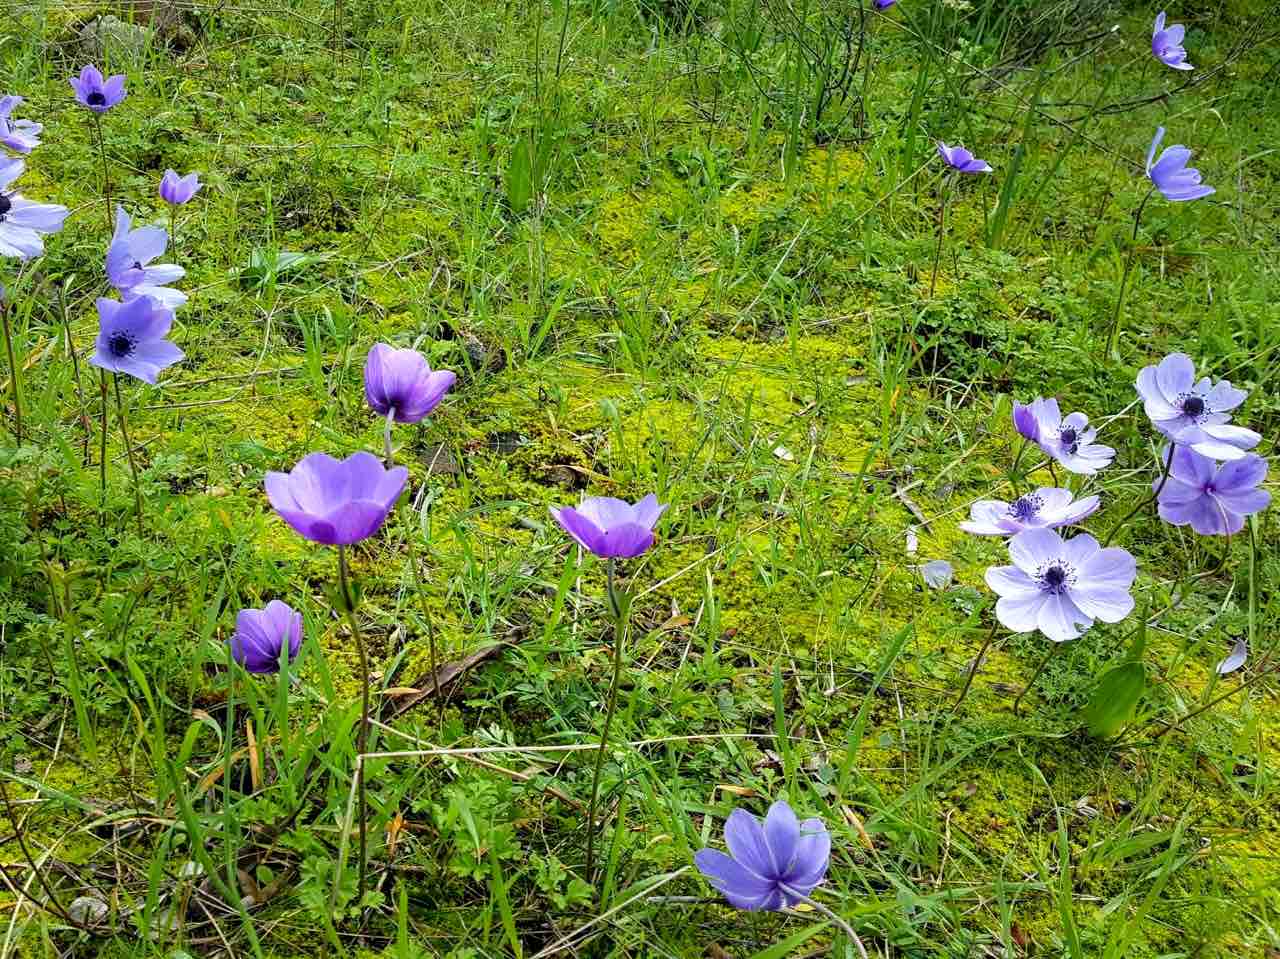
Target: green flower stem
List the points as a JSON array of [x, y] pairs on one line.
[[1155, 496], [106, 178], [13, 372], [620, 606], [830, 914], [942, 230], [977, 661], [362, 734], [102, 452], [128, 448], [1114, 332], [1053, 651]]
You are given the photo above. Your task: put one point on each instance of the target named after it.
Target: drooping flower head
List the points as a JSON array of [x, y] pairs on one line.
[[1166, 44], [129, 263], [262, 633], [1194, 413], [177, 190], [1061, 586], [22, 222], [1047, 508], [1069, 440], [21, 136], [336, 502], [958, 158], [611, 528], [1213, 500], [401, 380], [97, 94], [1170, 174], [771, 866], [937, 573], [132, 338]]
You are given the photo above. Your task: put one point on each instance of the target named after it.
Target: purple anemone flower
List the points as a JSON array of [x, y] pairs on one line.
[[958, 158], [1166, 44], [1194, 413], [131, 338], [21, 136], [129, 263], [884, 4], [400, 383], [21, 221], [771, 866], [1213, 500], [261, 633], [97, 94], [1069, 440], [177, 190], [336, 502], [611, 528], [1061, 586], [1046, 508], [1170, 174]]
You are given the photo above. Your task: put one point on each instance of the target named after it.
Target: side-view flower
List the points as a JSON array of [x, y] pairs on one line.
[[1045, 507], [961, 160], [129, 259], [261, 633], [1170, 174], [336, 502], [20, 136], [1166, 44], [609, 527], [1069, 439]]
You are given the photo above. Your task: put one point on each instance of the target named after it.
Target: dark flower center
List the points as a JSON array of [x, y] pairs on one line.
[[1193, 406], [1025, 507], [120, 345], [137, 265], [1056, 577], [95, 99], [1068, 436], [5, 206]]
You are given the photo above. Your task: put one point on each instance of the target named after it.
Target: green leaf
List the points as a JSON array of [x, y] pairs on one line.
[[520, 176], [1115, 698], [788, 946]]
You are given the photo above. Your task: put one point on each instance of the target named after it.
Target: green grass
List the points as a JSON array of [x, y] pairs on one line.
[[655, 269]]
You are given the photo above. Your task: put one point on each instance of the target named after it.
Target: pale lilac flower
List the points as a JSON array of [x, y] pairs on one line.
[[1213, 500], [132, 338], [21, 221], [1171, 175], [1048, 507], [129, 263], [336, 502], [771, 866], [1235, 659], [960, 159], [1166, 44], [177, 190], [1069, 440], [97, 94], [609, 527], [21, 136], [937, 573], [401, 380], [1194, 413], [262, 633], [1061, 586]]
